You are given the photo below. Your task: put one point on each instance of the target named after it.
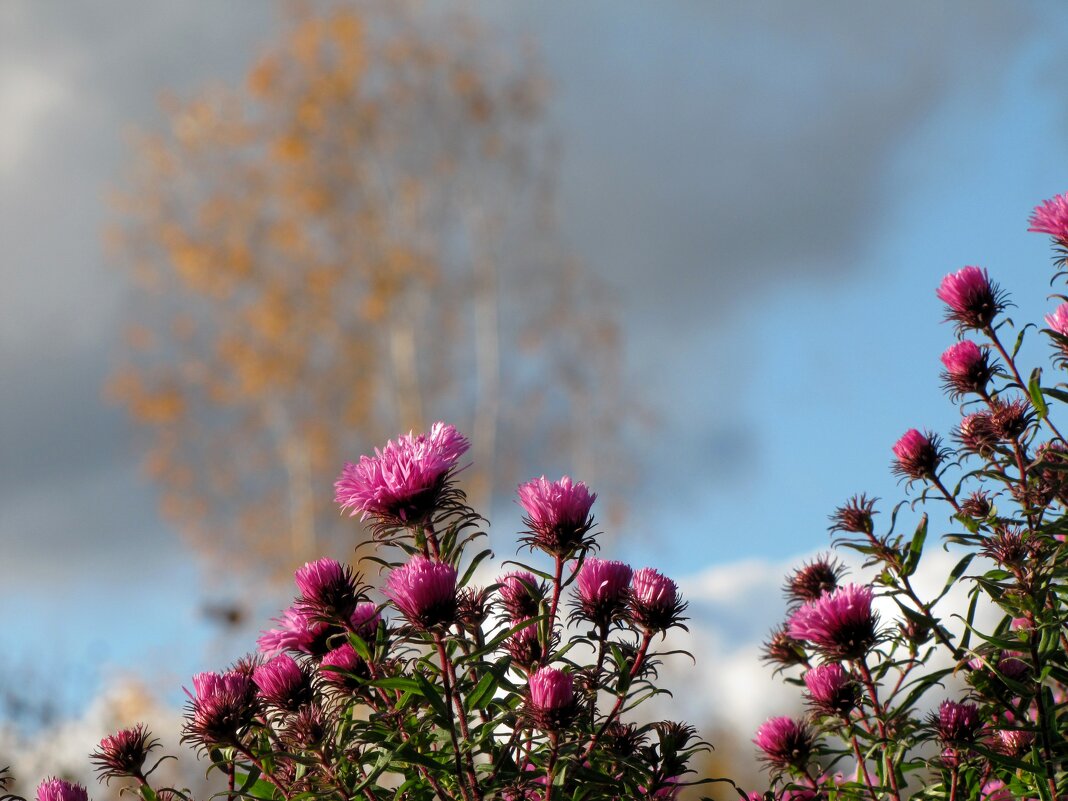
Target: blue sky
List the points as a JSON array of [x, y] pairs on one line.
[[772, 195]]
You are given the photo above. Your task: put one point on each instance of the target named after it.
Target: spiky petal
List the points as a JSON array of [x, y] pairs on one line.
[[967, 368], [1051, 217], [957, 723], [59, 790]]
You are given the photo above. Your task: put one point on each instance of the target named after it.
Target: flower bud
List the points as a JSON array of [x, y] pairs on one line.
[[551, 699], [123, 754], [785, 742], [655, 604]]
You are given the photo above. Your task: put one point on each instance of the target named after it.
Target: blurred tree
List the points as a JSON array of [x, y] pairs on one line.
[[359, 241]]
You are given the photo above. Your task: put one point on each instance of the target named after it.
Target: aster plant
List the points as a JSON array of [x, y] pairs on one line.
[[434, 688], [914, 696]]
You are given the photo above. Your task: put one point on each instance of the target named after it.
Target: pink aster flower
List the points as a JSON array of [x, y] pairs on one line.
[[222, 706], [424, 592], [557, 513], [282, 683], [327, 588], [967, 368], [521, 594], [785, 742], [841, 624], [364, 620], [602, 587], [60, 790], [341, 666], [123, 754], [551, 700], [403, 482], [1051, 218], [972, 299], [1057, 320], [956, 723], [917, 455], [297, 631], [832, 690], [655, 604]]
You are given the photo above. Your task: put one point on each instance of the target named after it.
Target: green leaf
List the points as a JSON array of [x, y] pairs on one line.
[[486, 686], [1034, 388], [912, 559]]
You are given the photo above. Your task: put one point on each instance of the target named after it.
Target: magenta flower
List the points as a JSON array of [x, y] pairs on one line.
[[551, 700], [403, 482], [1051, 218], [602, 588], [655, 604], [123, 754], [917, 455], [832, 690], [785, 742], [60, 790], [341, 666], [424, 592], [557, 514], [521, 594], [840, 625], [1057, 320], [282, 683], [297, 631], [1013, 742], [364, 620], [222, 707], [973, 301], [956, 723], [524, 646], [967, 368], [327, 589]]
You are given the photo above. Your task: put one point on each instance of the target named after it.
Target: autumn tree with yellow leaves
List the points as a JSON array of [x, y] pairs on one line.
[[360, 239]]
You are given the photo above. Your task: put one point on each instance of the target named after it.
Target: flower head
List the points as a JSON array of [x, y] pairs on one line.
[[785, 742], [1010, 419], [282, 683], [973, 301], [602, 587], [1057, 320], [327, 588], [123, 754], [810, 581], [832, 690], [364, 620], [521, 594], [525, 647], [841, 624], [783, 650], [655, 604], [424, 592], [1051, 217], [403, 482], [917, 455], [956, 723], [967, 368], [342, 666], [60, 790], [856, 516], [557, 513], [222, 707], [551, 698], [976, 433], [297, 631]]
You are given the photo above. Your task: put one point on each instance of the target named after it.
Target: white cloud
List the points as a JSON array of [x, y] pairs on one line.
[[29, 95]]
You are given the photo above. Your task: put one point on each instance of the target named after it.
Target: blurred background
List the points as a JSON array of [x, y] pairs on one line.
[[685, 251]]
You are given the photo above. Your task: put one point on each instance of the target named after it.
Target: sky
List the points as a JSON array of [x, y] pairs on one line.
[[771, 192]]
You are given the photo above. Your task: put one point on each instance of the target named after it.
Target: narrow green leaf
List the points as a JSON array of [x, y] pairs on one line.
[[1034, 388], [912, 559]]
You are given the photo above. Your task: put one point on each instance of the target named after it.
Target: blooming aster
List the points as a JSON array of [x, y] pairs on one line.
[[337, 665], [655, 603], [957, 723], [123, 753], [222, 706], [831, 689], [557, 513], [60, 790], [551, 699], [521, 594], [297, 631], [602, 587], [283, 683], [784, 741], [403, 481], [971, 298], [841, 624], [917, 455], [327, 589], [1051, 217], [424, 591], [967, 368]]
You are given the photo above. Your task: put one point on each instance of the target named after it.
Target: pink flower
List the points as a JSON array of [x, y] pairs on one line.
[[424, 592], [364, 620], [222, 707], [123, 754], [339, 663], [1051, 218], [973, 301], [403, 482], [1058, 320], [602, 587], [917, 455], [282, 683], [957, 723], [976, 433], [655, 604], [524, 646], [831, 689], [551, 701], [327, 588], [784, 741], [841, 624], [60, 790], [521, 594], [297, 631], [1013, 742], [967, 368], [557, 513]]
